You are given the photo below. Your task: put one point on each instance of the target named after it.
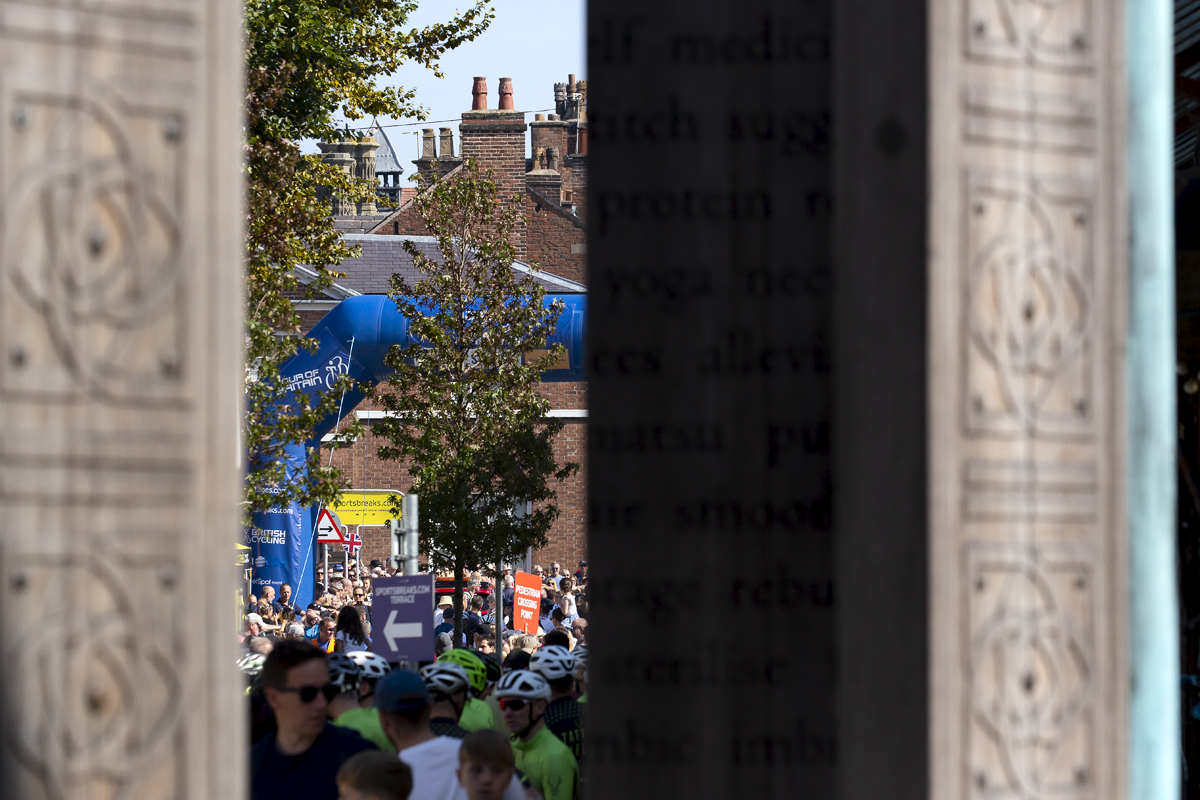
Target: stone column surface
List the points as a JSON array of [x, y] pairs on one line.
[[120, 396], [1028, 281], [857, 448]]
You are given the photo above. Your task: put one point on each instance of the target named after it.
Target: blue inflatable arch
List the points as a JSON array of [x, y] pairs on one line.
[[353, 339]]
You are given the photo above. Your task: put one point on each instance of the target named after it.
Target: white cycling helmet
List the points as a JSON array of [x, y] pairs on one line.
[[523, 684], [445, 677], [251, 664], [553, 662], [371, 666]]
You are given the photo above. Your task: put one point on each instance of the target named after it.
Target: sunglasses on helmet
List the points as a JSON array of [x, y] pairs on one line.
[[309, 693], [507, 703]]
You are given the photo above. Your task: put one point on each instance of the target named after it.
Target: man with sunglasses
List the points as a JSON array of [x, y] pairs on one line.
[[545, 761], [301, 758]]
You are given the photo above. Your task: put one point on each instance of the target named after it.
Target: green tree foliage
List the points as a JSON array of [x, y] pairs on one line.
[[469, 423], [306, 61]]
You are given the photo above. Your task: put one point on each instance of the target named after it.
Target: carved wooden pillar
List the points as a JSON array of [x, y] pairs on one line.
[[120, 387]]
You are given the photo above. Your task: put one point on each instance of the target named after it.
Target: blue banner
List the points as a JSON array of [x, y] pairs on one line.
[[278, 541], [281, 541]]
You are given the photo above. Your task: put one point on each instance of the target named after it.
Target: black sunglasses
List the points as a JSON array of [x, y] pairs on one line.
[[309, 693], [515, 705]]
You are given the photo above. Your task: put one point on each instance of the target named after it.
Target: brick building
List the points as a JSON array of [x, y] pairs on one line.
[[553, 182]]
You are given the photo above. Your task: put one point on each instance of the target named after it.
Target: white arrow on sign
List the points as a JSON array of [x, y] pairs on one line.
[[400, 630]]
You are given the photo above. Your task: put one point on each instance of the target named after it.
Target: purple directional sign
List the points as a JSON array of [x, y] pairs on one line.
[[402, 617]]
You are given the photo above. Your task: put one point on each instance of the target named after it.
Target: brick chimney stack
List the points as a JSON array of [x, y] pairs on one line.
[[547, 133], [495, 140], [427, 163]]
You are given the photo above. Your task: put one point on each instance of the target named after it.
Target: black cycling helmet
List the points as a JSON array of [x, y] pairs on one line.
[[491, 663]]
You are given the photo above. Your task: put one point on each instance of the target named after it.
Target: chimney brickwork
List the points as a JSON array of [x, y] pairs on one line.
[[548, 133], [495, 140]]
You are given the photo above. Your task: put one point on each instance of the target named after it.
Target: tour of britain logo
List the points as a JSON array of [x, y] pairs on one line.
[[318, 377]]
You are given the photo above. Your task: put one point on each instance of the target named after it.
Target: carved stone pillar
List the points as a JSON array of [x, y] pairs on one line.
[[980, 332], [1028, 287], [364, 156], [120, 393]]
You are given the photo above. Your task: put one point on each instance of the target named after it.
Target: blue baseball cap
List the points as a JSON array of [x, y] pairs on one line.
[[401, 690]]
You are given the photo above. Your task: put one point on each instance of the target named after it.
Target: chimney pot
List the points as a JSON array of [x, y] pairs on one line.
[[447, 142], [539, 117], [570, 83], [554, 159], [479, 95], [506, 94], [428, 144]]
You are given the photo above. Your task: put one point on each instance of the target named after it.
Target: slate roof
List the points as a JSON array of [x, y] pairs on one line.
[[385, 156], [371, 273]]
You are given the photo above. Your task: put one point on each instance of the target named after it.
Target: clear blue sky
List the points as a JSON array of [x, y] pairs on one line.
[[534, 42]]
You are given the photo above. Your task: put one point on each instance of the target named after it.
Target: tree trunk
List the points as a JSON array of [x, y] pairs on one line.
[[458, 602], [498, 604]]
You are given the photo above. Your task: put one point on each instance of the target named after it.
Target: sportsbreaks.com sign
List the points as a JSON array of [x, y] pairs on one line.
[[528, 601]]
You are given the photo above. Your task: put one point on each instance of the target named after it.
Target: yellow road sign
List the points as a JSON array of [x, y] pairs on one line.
[[366, 507]]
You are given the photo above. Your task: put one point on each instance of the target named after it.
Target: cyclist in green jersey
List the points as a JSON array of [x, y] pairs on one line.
[[564, 718], [449, 690], [476, 715], [356, 674], [546, 761]]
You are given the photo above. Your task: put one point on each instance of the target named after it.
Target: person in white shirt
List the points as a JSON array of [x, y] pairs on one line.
[[567, 601], [351, 633], [404, 703]]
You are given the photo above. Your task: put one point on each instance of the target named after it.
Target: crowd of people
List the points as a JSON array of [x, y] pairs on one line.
[[497, 714]]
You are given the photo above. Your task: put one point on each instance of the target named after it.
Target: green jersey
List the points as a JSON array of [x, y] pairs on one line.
[[366, 722], [497, 714], [476, 716], [548, 764]]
